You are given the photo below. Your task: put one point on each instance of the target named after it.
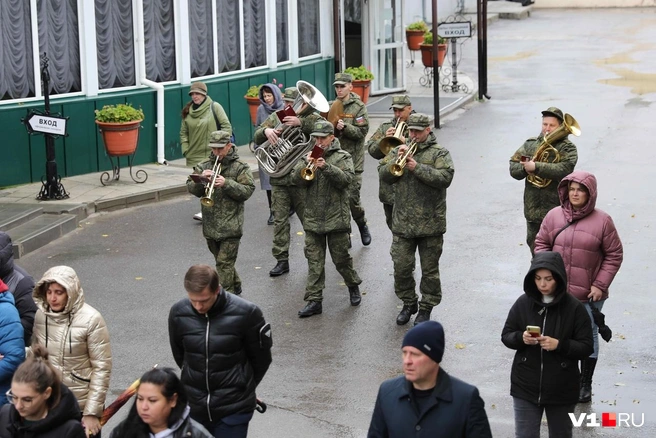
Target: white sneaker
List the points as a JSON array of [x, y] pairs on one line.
[[199, 216]]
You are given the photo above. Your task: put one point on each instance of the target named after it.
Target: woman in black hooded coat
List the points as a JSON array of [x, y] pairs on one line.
[[545, 374]]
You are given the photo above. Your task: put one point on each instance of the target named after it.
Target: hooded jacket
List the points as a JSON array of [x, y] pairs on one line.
[[225, 219], [77, 340], [264, 110], [64, 420], [591, 247], [196, 128], [11, 341], [539, 376], [185, 427], [20, 284]]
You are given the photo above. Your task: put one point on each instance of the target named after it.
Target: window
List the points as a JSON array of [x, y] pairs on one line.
[[201, 38], [282, 33], [228, 35], [308, 28], [115, 44], [254, 33], [17, 66], [159, 40]]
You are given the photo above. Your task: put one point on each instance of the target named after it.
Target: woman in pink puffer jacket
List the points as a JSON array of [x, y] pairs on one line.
[[587, 240]]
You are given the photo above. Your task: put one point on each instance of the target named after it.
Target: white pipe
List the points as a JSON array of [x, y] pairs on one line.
[[160, 118]]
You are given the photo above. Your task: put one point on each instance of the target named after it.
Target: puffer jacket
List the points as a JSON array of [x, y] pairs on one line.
[[20, 284], [185, 427], [327, 198], [223, 355], [64, 420], [77, 340], [11, 341], [420, 196], [591, 247], [539, 376], [225, 219]]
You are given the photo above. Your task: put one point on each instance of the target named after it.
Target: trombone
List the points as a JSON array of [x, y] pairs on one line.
[[398, 166], [389, 143], [207, 200]]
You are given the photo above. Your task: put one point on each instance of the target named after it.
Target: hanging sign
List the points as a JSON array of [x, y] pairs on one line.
[[458, 29], [36, 122]]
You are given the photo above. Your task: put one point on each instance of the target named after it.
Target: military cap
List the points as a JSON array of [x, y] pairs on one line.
[[219, 139], [553, 112], [400, 101], [291, 93], [342, 78], [322, 128], [419, 122]]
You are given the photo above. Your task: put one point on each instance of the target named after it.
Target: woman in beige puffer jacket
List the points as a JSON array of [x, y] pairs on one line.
[[77, 340]]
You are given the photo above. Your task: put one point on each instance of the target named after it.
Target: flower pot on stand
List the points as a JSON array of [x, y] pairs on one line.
[[362, 88], [120, 140], [253, 104], [427, 54], [414, 38]]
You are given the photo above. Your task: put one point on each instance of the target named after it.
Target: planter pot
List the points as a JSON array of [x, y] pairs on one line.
[[414, 38], [253, 105], [120, 138], [362, 88], [427, 54]]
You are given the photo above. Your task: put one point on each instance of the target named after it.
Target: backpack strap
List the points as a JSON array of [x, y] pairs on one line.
[[558, 233], [218, 124]]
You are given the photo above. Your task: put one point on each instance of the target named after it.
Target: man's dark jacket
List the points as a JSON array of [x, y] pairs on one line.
[[223, 353], [20, 284], [457, 411]]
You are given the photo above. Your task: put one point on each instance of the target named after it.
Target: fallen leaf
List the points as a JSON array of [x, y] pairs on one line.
[[619, 384], [105, 235], [258, 267], [299, 233], [633, 215], [138, 278], [636, 402], [460, 346]]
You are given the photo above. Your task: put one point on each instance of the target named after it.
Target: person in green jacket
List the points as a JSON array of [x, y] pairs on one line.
[[223, 221], [327, 220], [200, 117]]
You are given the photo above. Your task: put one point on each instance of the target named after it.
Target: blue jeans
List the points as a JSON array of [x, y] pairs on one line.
[[595, 330], [529, 415], [232, 426]]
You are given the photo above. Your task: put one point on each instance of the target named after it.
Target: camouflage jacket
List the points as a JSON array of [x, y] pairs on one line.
[[327, 201], [420, 195], [385, 191], [538, 202], [356, 121], [225, 219], [308, 117]]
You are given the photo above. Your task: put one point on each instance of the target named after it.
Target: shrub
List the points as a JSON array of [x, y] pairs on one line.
[[121, 113], [360, 73], [418, 25]]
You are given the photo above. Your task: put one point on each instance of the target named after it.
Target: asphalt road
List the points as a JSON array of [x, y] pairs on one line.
[[594, 64]]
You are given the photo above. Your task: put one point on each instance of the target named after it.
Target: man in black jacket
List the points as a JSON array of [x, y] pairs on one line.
[[223, 346], [427, 401]]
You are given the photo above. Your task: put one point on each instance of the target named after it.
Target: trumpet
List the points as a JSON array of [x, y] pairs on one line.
[[398, 166], [389, 143], [308, 172], [207, 200]]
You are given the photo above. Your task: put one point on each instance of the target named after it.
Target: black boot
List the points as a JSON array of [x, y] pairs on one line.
[[365, 235], [587, 370], [354, 292], [238, 290], [423, 315], [405, 313], [282, 267], [270, 220], [311, 308]]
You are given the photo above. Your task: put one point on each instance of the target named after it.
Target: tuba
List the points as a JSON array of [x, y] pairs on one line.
[[546, 153], [389, 143], [398, 166], [279, 158], [207, 200]]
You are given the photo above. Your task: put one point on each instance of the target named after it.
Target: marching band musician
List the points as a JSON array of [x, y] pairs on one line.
[[402, 109], [327, 218], [351, 128], [223, 220], [286, 197], [539, 200], [418, 217]]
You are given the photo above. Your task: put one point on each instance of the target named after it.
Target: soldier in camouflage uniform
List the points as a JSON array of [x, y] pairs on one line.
[[327, 219], [223, 222], [419, 218], [286, 196], [402, 109], [351, 129], [538, 201]]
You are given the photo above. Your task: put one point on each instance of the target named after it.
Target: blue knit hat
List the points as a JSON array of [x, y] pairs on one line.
[[427, 337]]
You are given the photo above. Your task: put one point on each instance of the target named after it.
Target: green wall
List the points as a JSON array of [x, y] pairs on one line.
[[22, 156]]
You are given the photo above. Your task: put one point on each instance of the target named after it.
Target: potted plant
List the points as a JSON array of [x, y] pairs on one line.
[[253, 99], [427, 50], [362, 78], [414, 34], [119, 126]]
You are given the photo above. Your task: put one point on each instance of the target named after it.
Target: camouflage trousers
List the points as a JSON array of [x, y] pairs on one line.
[[357, 211], [225, 253], [315, 252], [388, 209], [283, 198], [532, 229], [403, 254]]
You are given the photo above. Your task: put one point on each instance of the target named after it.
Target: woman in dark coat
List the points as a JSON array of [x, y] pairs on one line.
[[545, 374]]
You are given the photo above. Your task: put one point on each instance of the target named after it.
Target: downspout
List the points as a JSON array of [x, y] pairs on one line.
[[337, 37], [159, 88]]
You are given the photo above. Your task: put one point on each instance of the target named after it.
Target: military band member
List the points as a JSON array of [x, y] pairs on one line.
[[224, 220], [327, 219], [351, 129], [402, 109], [286, 196], [539, 200], [419, 218]]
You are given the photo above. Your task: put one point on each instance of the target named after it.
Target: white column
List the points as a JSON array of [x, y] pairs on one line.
[[88, 48], [183, 50]]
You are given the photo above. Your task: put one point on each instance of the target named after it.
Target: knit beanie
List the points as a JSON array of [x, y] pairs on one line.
[[198, 87], [427, 337]]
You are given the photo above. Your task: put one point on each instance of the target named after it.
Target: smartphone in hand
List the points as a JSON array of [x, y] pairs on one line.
[[533, 330]]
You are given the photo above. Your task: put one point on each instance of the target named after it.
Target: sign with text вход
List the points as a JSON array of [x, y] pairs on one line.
[[36, 122], [458, 29]]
